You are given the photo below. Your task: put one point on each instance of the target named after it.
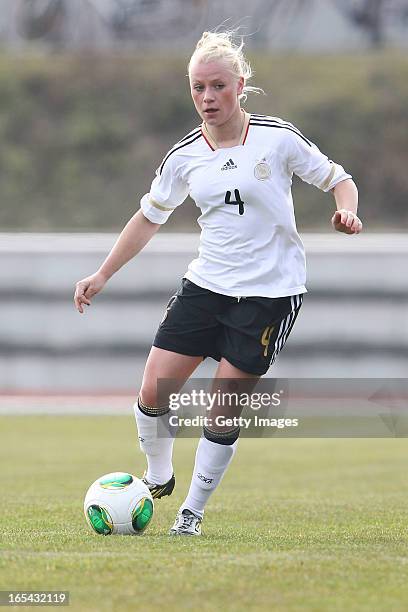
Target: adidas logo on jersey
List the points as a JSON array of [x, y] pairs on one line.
[[229, 165]]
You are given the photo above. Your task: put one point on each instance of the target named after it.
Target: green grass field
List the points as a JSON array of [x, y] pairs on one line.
[[297, 524]]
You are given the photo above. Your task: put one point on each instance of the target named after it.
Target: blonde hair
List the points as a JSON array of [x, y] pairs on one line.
[[221, 45]]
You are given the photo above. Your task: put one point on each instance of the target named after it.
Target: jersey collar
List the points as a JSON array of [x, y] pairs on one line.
[[211, 142]]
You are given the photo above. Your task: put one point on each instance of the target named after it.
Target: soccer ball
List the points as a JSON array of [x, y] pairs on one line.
[[118, 503]]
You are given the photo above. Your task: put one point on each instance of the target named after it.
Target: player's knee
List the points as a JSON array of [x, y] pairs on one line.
[[148, 395]]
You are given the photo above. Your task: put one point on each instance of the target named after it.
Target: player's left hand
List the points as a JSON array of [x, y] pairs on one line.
[[346, 221]]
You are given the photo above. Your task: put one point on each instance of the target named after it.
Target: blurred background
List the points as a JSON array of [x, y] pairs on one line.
[[92, 95]]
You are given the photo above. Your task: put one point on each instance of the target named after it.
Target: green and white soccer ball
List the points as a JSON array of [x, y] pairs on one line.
[[118, 503]]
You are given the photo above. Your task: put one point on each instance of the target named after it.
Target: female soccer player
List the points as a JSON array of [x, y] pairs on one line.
[[239, 299]]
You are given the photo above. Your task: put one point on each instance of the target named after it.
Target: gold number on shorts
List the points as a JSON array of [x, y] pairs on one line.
[[266, 336]]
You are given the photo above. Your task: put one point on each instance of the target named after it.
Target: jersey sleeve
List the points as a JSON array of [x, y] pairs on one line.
[[311, 165], [168, 190]]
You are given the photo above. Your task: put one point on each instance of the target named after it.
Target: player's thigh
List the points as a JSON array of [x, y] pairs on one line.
[[228, 371], [165, 364], [228, 387]]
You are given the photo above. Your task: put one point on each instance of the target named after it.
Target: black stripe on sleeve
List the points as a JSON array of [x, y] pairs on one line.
[[195, 131], [194, 136], [275, 124], [275, 120], [278, 121]]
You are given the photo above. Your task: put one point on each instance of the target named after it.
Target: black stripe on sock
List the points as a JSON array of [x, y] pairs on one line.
[[151, 410], [222, 437]]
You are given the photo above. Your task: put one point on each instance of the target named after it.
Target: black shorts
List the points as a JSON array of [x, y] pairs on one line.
[[248, 332]]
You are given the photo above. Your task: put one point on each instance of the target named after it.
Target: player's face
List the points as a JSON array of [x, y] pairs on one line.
[[215, 90]]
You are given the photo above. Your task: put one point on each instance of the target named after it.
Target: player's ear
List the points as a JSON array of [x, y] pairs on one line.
[[240, 87]]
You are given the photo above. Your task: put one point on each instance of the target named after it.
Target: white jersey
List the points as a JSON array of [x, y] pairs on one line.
[[249, 244]]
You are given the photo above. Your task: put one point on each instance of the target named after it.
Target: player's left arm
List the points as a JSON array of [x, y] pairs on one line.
[[345, 218], [306, 161]]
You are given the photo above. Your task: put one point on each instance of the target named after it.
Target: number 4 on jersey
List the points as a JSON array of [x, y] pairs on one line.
[[237, 202]]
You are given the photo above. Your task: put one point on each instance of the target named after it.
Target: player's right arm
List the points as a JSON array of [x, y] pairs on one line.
[[168, 190], [134, 236]]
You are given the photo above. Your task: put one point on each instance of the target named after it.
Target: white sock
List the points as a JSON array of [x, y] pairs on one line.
[[157, 447], [211, 463]]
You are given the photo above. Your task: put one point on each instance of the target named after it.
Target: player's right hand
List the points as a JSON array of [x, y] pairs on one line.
[[86, 288]]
